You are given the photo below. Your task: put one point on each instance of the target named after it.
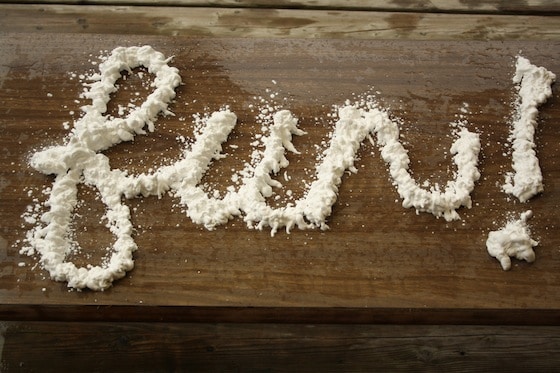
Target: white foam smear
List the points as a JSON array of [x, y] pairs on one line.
[[80, 161], [513, 240], [534, 88], [312, 210]]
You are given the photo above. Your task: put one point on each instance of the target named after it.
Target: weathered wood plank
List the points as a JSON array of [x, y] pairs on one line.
[[142, 347], [450, 6], [377, 254], [274, 23]]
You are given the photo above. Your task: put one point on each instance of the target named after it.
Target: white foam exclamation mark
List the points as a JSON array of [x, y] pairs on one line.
[[533, 89]]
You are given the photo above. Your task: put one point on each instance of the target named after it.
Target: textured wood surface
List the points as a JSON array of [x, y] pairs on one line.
[[333, 23], [378, 264], [149, 347], [453, 6], [377, 257]]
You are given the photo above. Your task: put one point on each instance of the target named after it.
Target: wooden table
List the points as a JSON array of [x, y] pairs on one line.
[[384, 287]]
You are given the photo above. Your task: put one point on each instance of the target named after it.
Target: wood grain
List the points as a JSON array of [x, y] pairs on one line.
[[545, 7], [147, 347], [275, 23], [376, 256]]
